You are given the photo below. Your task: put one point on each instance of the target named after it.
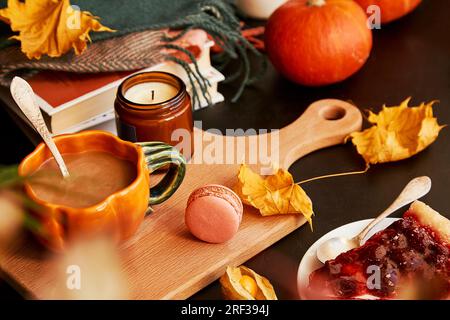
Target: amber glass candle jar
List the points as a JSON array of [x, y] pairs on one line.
[[150, 106]]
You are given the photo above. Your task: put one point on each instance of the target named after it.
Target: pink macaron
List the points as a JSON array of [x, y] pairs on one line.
[[213, 213]]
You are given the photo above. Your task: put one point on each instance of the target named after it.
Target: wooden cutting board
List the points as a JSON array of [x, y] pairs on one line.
[[162, 260]]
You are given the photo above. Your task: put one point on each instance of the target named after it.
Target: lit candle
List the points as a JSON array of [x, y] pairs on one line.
[[155, 106], [151, 92]]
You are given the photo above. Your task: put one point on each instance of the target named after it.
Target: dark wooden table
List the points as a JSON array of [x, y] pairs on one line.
[[410, 58]]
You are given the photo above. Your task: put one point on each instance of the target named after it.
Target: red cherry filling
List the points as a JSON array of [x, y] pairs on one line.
[[402, 255]]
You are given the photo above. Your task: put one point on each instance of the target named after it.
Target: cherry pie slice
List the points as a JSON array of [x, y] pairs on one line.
[[410, 259]]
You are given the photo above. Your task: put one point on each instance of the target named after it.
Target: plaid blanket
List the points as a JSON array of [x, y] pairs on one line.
[[139, 40]]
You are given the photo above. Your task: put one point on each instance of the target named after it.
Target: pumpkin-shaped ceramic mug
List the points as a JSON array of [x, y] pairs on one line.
[[118, 215]]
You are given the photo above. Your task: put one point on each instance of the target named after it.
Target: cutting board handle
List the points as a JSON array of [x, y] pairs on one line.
[[323, 124]]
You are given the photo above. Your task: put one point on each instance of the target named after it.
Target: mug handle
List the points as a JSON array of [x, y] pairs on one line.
[[158, 155]]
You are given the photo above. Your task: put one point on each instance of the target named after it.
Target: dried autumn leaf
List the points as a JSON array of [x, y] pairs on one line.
[[242, 283], [277, 194], [5, 20], [50, 27], [398, 133]]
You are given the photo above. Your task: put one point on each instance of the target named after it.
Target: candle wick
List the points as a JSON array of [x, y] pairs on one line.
[[153, 94]]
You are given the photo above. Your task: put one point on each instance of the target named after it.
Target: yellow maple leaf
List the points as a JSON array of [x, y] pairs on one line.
[[50, 27], [276, 194], [398, 133]]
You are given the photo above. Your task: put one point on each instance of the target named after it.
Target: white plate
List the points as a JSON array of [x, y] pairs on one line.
[[310, 262]]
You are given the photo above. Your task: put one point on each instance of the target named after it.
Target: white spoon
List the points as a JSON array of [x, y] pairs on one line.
[[415, 189], [24, 96]]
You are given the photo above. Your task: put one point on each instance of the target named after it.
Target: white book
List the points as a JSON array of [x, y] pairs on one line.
[[96, 103], [95, 122]]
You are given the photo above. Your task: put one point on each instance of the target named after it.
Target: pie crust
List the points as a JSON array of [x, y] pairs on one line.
[[430, 218]]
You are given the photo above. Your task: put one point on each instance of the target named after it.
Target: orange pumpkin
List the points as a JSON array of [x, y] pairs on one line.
[[318, 42], [391, 9]]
